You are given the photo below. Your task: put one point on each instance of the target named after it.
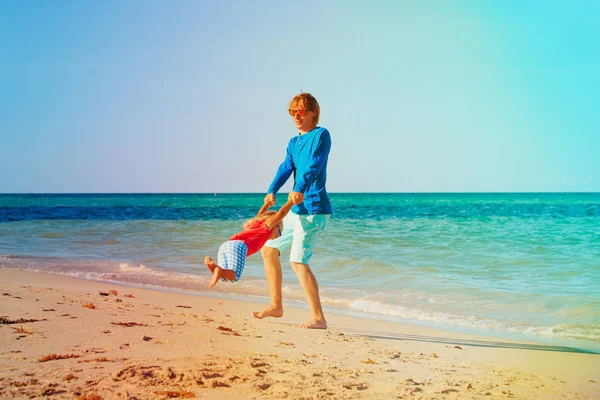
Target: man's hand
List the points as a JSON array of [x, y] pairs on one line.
[[296, 197], [270, 199]]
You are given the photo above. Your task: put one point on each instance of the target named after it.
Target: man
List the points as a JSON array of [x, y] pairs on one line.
[[307, 155]]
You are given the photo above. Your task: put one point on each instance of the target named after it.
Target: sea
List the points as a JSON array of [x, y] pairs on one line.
[[508, 265]]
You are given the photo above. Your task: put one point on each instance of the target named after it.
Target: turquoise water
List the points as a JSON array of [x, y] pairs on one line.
[[503, 264]]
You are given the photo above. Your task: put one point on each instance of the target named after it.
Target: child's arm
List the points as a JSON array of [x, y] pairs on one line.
[[266, 205], [283, 211]]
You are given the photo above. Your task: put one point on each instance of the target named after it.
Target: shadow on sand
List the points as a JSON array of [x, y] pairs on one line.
[[465, 342]]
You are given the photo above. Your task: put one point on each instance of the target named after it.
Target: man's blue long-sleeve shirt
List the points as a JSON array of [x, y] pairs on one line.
[[307, 157]]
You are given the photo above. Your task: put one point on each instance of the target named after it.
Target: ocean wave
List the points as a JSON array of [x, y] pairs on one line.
[[571, 331], [384, 309], [7, 256], [126, 267], [567, 331]]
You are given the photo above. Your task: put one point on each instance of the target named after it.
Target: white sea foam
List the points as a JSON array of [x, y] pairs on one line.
[[126, 267], [336, 302], [384, 309], [582, 332]]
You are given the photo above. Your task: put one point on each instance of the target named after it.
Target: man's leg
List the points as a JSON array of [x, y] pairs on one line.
[[273, 272], [270, 254], [306, 234], [311, 291]]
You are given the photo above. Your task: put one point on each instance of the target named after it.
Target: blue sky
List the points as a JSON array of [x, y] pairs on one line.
[[191, 96]]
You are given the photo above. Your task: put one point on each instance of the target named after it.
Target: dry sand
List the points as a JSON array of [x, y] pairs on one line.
[[62, 338]]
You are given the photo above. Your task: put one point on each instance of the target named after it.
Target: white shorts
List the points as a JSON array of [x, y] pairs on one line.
[[300, 232]]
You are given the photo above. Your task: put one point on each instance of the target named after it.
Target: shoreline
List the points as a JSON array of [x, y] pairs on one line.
[[220, 292], [206, 346]]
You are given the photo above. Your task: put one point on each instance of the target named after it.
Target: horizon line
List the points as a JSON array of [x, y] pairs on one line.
[[256, 193]]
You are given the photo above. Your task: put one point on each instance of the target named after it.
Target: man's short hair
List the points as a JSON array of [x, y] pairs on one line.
[[306, 101]]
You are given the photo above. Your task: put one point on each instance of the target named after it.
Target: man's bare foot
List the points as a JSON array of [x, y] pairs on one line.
[[271, 311], [313, 324], [219, 273], [208, 261]]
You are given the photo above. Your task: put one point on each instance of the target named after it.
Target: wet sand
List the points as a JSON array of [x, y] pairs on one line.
[[67, 338]]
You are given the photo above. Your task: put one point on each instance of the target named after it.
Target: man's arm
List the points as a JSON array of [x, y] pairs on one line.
[[315, 165], [283, 173]]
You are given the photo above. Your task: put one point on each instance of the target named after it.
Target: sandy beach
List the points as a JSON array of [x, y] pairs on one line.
[[67, 338]]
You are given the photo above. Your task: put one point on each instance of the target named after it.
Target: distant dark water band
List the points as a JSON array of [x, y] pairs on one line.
[[372, 212]]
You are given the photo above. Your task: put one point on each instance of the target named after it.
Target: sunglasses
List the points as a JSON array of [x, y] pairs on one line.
[[293, 112]]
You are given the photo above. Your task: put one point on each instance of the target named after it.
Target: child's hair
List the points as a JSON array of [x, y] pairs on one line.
[[261, 217]]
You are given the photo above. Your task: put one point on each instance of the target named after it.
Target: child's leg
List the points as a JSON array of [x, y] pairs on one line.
[[208, 261], [219, 273]]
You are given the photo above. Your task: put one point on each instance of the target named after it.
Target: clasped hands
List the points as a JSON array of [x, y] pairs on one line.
[[295, 197]]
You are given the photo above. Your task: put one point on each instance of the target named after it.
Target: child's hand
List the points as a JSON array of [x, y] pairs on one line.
[[270, 200]]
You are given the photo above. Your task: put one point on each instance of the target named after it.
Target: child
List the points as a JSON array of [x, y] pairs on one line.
[[267, 224]]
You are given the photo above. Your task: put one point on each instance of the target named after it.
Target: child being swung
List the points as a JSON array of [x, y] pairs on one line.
[[267, 224]]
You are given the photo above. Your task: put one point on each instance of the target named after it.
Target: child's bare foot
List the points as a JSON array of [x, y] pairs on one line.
[[219, 273], [271, 311], [209, 263]]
